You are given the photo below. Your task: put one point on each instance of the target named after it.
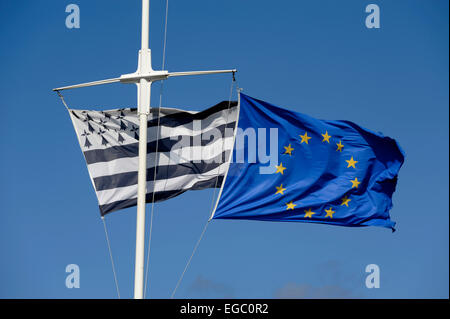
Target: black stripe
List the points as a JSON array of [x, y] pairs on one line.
[[181, 117], [159, 196], [132, 150], [74, 114], [162, 173]]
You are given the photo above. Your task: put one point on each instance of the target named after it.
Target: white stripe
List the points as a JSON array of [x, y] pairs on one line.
[[179, 156], [176, 183]]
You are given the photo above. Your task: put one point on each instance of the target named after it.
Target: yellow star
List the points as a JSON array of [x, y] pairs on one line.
[[309, 213], [326, 137], [290, 205], [288, 149], [340, 146], [345, 201], [355, 183], [351, 162], [305, 138], [330, 212], [280, 189], [280, 168]]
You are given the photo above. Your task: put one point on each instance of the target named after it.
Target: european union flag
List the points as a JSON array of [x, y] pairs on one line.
[[330, 172]]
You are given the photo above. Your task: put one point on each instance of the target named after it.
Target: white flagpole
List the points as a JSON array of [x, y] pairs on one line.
[[144, 88], [143, 77]]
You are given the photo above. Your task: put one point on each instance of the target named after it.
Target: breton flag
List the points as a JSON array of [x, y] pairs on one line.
[[330, 172], [193, 151]]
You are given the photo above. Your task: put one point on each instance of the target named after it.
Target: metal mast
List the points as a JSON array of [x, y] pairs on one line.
[[143, 77]]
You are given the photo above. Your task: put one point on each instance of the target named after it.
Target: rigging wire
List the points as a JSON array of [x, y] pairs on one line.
[[103, 220], [189, 260], [212, 201], [156, 152], [62, 99], [233, 81], [111, 257]]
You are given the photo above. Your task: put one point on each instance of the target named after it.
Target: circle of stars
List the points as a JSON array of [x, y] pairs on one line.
[[280, 169]]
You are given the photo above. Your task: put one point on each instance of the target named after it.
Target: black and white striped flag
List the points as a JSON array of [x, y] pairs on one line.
[[193, 151]]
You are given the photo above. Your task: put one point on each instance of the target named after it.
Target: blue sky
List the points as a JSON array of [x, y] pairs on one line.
[[315, 57]]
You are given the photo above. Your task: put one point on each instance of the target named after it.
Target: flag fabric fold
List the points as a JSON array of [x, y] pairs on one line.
[[331, 172], [186, 158]]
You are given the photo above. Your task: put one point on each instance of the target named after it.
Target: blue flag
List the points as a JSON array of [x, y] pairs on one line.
[[330, 172]]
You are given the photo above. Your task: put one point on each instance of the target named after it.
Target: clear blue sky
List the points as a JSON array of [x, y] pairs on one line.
[[315, 57]]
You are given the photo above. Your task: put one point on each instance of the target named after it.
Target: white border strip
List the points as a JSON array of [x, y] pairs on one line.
[[230, 158]]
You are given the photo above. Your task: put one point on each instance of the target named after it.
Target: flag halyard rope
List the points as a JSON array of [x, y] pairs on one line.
[[233, 82], [111, 257], [62, 99], [190, 258], [156, 154], [104, 224]]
